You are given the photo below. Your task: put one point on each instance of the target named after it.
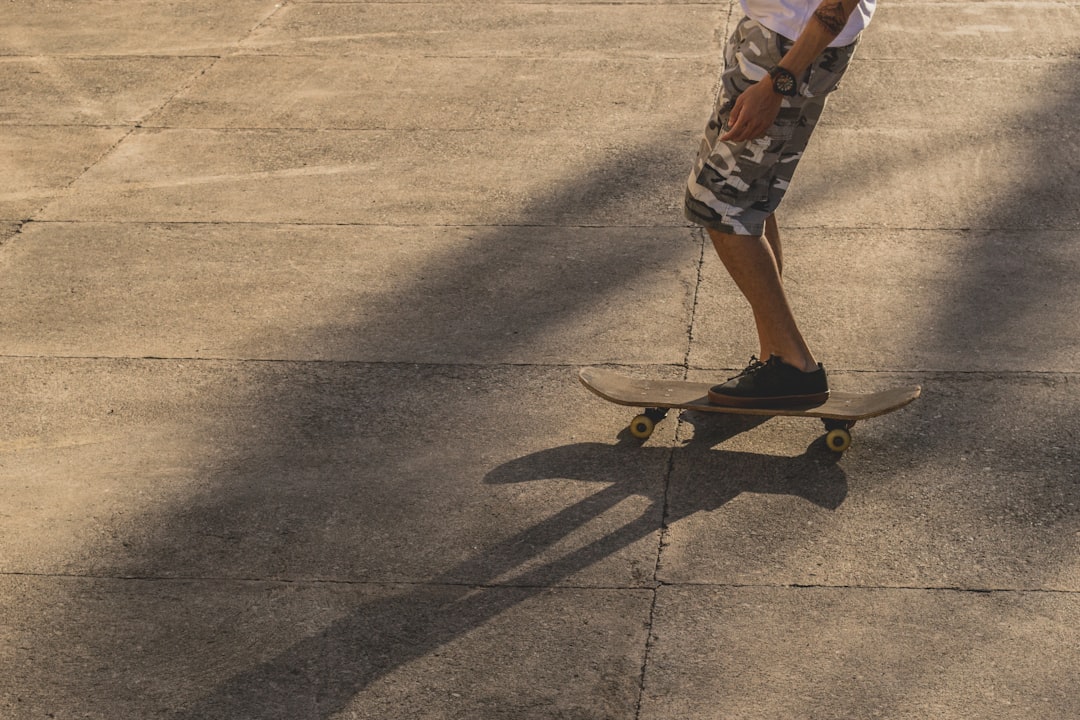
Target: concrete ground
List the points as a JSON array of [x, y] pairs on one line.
[[293, 296]]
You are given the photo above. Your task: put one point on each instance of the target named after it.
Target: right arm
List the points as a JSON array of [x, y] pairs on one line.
[[756, 109]]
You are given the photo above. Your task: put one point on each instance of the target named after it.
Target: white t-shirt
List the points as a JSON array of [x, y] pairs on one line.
[[789, 17]]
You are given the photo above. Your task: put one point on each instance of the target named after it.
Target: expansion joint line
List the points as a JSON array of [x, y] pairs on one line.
[[694, 302], [657, 584], [662, 540]]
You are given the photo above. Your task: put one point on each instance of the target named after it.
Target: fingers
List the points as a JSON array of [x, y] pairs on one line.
[[736, 134], [735, 127], [743, 129], [753, 114], [736, 113]]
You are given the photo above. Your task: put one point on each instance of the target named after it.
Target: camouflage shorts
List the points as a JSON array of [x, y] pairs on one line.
[[734, 187]]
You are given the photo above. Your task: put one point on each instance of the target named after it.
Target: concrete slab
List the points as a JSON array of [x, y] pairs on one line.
[[130, 27], [1009, 32], [896, 299], [373, 294], [977, 181], [954, 98], [485, 29], [980, 50], [837, 654], [363, 92], [89, 91], [972, 486], [42, 161], [316, 471], [213, 648], [387, 178]]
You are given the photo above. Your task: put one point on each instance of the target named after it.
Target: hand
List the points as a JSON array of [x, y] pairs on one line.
[[754, 113]]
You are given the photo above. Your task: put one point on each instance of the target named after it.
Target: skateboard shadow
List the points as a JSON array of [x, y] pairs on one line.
[[715, 428], [703, 479]]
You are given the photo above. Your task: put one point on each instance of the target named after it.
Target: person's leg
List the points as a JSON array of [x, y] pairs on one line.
[[772, 234], [733, 191], [787, 373], [753, 266]]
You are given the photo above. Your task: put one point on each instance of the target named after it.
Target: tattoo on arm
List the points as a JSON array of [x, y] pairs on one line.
[[832, 16]]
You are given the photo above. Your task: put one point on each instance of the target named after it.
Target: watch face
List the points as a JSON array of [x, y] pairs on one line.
[[783, 82]]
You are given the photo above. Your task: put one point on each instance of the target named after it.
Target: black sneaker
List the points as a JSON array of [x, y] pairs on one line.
[[772, 384]]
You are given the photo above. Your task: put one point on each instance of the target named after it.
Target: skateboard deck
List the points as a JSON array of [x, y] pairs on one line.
[[839, 413]]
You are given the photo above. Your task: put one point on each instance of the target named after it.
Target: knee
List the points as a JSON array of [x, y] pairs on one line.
[[726, 239]]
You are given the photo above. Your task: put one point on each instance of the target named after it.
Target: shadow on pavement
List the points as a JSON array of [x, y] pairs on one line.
[[328, 669]]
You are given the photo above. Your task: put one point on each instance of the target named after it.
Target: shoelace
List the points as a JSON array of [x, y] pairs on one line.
[[753, 367]]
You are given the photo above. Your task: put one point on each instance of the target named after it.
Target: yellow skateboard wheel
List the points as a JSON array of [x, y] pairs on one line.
[[642, 427], [838, 440]]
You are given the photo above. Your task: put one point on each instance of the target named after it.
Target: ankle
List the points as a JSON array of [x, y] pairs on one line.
[[806, 364]]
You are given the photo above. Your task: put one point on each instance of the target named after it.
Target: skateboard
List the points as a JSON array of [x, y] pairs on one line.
[[839, 413]]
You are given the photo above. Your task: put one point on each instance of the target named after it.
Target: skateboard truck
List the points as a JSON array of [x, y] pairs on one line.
[[837, 432]]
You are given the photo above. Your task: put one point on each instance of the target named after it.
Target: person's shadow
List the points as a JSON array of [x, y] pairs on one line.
[[320, 674]]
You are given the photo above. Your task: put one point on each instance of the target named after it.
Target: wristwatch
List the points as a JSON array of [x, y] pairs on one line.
[[784, 82]]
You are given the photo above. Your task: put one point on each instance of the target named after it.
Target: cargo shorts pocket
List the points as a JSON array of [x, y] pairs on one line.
[[744, 172], [827, 71]]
